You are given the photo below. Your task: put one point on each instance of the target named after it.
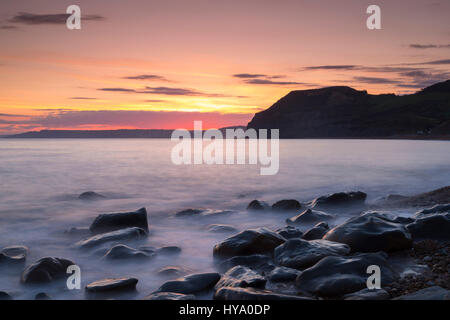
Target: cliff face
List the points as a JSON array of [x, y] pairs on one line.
[[343, 112]]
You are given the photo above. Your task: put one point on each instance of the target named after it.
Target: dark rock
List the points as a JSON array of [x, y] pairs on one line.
[[112, 285], [188, 212], [431, 198], [122, 251], [389, 217], [340, 198], [46, 270], [171, 271], [118, 235], [336, 275], [309, 216], [13, 254], [5, 296], [433, 226], [229, 293], [42, 296], [221, 228], [439, 208], [300, 254], [204, 213], [371, 233], [115, 221], [243, 277], [91, 195], [283, 274], [431, 293], [191, 284], [317, 232], [257, 262], [367, 294], [248, 242], [257, 205], [169, 296], [169, 250], [286, 205], [290, 232]]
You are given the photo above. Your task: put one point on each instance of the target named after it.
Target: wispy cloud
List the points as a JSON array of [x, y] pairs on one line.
[[59, 18], [375, 80], [429, 46], [169, 91], [146, 77], [264, 79], [271, 82], [332, 67], [8, 27], [82, 98]]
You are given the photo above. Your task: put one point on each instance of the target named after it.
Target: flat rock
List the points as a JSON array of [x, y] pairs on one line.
[[46, 270], [286, 205], [243, 277], [118, 235], [371, 233], [301, 254], [434, 226], [258, 262], [290, 232], [367, 294], [169, 250], [91, 195], [221, 228], [229, 293], [42, 296], [171, 271], [339, 199], [338, 275], [437, 209], [309, 216], [431, 293], [257, 205], [204, 213], [316, 232], [283, 274], [190, 284], [249, 242], [115, 221], [169, 296], [121, 251], [13, 255], [112, 285], [431, 198]]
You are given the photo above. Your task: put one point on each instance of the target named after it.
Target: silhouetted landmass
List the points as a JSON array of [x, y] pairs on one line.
[[343, 112]]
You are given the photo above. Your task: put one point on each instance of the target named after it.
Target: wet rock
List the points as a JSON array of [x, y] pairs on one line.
[[339, 199], [5, 296], [221, 228], [258, 262], [191, 284], [122, 252], [112, 285], [300, 254], [249, 242], [118, 235], [243, 277], [169, 250], [283, 274], [78, 231], [431, 293], [91, 195], [437, 209], [46, 270], [188, 212], [171, 271], [229, 293], [389, 217], [367, 294], [257, 205], [13, 255], [42, 296], [371, 233], [316, 232], [433, 226], [115, 221], [309, 216], [290, 232], [204, 213], [286, 205], [431, 198], [169, 296], [337, 275]]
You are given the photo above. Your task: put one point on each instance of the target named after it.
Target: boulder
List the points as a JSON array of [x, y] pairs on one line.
[[123, 252], [339, 199], [434, 226], [286, 205], [257, 205], [221, 228], [46, 270], [13, 255], [171, 271], [42, 296], [437, 209], [188, 212], [204, 213], [371, 233], [243, 277], [118, 235], [258, 262], [169, 296], [338, 275], [316, 232], [283, 274], [115, 221], [290, 232], [368, 294], [169, 250], [5, 296], [190, 284], [431, 293], [309, 216], [112, 285], [90, 196], [301, 254], [230, 293], [431, 198], [249, 242]]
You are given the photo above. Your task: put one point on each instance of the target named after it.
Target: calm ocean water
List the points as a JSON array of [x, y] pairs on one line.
[[41, 179]]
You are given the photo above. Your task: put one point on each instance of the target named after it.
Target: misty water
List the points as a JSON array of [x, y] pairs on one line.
[[41, 181]]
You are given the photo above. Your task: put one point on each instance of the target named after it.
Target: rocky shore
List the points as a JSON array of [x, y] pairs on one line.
[[315, 256]]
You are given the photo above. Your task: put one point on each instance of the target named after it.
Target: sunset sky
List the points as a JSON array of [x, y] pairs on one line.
[[165, 63]]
